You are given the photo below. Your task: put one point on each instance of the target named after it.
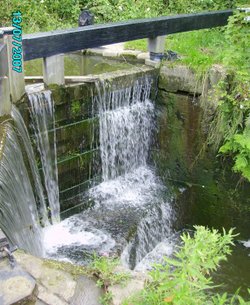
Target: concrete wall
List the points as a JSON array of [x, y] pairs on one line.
[[206, 190]]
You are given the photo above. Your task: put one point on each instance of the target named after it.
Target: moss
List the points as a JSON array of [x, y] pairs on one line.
[[75, 107], [74, 270]]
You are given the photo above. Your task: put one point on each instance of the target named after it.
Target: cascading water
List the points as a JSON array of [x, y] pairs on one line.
[[126, 124], [19, 217], [42, 116], [126, 120], [24, 137], [131, 197]]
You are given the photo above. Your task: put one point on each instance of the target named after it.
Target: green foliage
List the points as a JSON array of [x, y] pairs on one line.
[[231, 125], [104, 268], [186, 279], [110, 10], [76, 108], [106, 299], [41, 15]]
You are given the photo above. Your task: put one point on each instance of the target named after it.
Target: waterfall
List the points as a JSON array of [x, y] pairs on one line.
[[151, 231], [24, 137], [43, 123], [19, 217], [126, 124], [130, 203]]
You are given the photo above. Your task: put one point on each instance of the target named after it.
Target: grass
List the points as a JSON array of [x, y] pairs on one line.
[[198, 49]]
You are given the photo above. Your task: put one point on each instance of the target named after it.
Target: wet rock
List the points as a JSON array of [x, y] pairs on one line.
[[216, 74], [86, 292], [45, 296], [16, 285], [57, 282], [133, 286]]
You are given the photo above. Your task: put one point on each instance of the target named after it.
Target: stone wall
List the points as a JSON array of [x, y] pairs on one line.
[[207, 191]]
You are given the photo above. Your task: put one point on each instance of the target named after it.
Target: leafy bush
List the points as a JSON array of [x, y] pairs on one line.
[[231, 125], [41, 15], [186, 279], [104, 268]]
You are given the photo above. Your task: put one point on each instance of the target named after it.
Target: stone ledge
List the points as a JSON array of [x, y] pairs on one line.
[[184, 79], [179, 78]]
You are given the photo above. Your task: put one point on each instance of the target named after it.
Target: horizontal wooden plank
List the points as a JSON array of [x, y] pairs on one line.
[[63, 41], [3, 60]]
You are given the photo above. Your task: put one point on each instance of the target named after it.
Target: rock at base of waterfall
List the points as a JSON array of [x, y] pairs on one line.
[[133, 286], [86, 292], [16, 285]]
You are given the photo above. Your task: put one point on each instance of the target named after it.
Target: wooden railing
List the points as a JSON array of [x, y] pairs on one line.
[[63, 41], [52, 45]]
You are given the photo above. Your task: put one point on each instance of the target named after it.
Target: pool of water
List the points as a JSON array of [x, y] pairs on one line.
[[78, 64]]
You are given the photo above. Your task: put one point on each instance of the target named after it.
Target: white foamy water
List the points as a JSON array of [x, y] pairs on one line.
[[135, 188], [76, 232], [163, 249], [246, 243]]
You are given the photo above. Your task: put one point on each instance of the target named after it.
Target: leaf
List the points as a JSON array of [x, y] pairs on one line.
[[240, 163], [169, 299]]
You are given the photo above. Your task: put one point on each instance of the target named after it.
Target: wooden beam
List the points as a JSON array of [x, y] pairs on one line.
[[64, 41]]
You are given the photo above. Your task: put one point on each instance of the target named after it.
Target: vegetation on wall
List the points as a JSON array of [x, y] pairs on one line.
[[231, 125]]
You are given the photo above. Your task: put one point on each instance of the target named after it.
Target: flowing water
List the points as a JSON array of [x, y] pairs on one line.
[[130, 203], [126, 125], [19, 217], [21, 129], [43, 120]]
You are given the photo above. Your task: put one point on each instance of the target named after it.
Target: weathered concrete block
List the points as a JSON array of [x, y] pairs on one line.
[[16, 79], [143, 56], [110, 53], [157, 44], [152, 63], [129, 54], [216, 74], [179, 78], [5, 103], [53, 70]]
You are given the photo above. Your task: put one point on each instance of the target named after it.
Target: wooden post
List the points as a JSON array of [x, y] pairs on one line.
[[53, 70], [156, 47], [16, 79], [5, 103]]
